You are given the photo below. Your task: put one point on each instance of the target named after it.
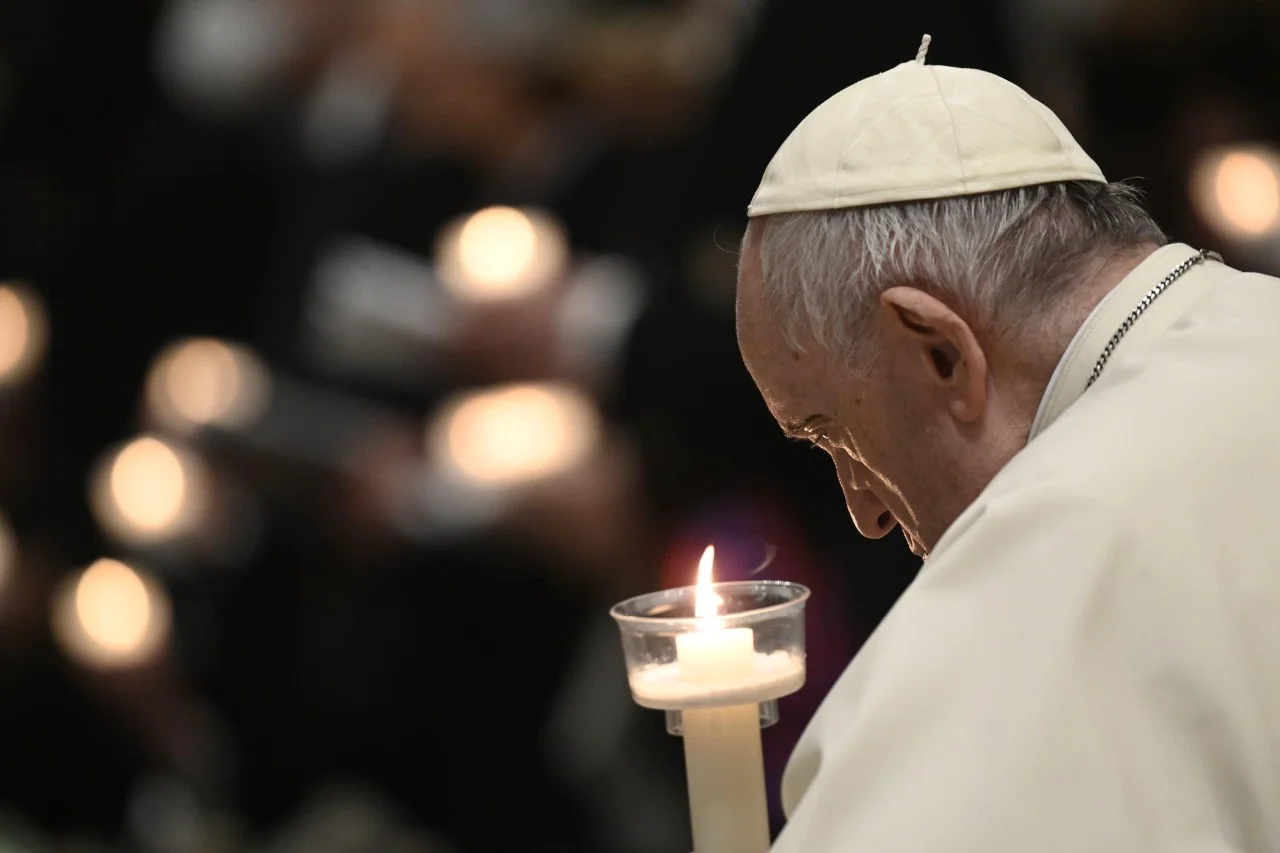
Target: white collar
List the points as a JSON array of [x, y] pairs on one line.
[[1071, 376]]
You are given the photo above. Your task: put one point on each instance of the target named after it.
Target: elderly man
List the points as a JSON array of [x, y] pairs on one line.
[[1075, 421]]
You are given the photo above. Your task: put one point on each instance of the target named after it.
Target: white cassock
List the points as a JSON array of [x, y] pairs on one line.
[[1090, 659]]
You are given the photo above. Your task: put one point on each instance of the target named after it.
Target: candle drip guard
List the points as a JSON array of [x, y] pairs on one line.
[[651, 625]]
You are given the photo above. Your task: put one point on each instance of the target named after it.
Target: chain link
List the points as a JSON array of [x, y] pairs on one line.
[[1143, 305]]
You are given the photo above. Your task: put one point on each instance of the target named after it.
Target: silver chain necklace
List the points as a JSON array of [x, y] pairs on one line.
[[1143, 305]]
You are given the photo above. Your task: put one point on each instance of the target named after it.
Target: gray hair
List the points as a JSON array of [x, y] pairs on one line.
[[1002, 259]]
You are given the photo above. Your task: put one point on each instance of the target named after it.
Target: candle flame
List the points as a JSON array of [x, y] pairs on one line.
[[706, 603]]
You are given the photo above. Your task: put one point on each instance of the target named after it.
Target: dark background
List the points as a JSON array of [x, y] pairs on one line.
[[334, 680]]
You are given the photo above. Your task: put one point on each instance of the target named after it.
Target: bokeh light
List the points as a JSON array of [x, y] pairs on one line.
[[111, 616], [1237, 191], [148, 491], [204, 382], [222, 57], [515, 434], [501, 253], [23, 332]]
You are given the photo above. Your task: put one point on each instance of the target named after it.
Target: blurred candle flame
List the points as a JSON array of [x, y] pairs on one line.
[[149, 491], [1248, 192], [515, 434], [111, 615], [202, 382], [1237, 191], [149, 485], [23, 329], [501, 253], [706, 603]]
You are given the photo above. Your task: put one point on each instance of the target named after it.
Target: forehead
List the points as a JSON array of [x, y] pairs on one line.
[[790, 379], [758, 337]]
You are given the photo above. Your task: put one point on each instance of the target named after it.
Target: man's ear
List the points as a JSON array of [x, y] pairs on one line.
[[938, 343]]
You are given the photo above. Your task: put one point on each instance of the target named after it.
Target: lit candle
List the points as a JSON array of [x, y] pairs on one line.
[[715, 670], [723, 757]]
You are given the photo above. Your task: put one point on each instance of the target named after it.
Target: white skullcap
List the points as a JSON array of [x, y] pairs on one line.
[[918, 132]]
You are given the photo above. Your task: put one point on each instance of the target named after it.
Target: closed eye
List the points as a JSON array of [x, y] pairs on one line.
[[812, 441]]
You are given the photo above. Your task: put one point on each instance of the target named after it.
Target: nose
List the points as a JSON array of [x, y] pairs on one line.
[[869, 514]]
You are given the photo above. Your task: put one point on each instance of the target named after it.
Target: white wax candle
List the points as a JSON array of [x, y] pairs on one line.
[[723, 757], [716, 654]]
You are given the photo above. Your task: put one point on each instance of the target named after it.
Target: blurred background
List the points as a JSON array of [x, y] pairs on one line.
[[357, 355]]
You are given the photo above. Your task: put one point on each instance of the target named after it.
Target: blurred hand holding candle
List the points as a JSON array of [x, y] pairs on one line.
[[718, 674], [504, 299]]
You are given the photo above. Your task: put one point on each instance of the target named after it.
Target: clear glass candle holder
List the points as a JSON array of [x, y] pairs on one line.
[[751, 651]]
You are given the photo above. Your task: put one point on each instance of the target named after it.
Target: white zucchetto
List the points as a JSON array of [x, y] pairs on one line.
[[917, 132]]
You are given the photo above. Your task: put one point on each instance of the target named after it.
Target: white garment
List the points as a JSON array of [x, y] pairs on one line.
[[1090, 659]]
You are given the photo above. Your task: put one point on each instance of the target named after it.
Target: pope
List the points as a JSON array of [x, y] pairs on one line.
[[1075, 421]]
